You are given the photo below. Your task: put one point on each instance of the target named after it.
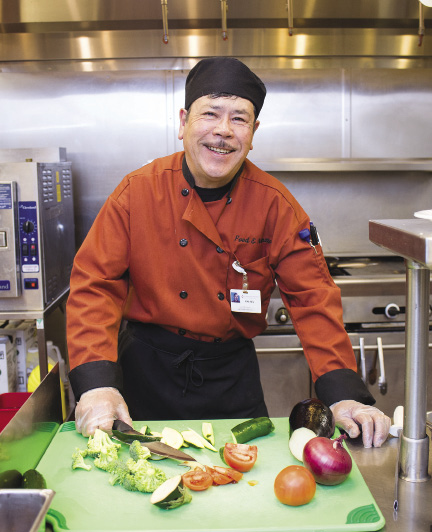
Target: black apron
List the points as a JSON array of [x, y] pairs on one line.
[[168, 376]]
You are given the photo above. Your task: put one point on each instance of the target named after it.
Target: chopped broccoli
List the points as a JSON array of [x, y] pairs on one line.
[[138, 451], [99, 443], [78, 460], [136, 475], [143, 476], [118, 470]]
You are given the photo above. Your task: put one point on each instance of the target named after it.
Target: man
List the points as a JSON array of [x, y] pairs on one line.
[[169, 250]]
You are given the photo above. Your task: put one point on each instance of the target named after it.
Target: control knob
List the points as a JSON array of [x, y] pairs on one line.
[[392, 310], [282, 315], [28, 227]]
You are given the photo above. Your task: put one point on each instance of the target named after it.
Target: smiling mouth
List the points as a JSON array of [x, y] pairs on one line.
[[222, 151]]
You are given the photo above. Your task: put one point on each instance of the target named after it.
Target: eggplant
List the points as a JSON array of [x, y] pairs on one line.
[[171, 494], [314, 415]]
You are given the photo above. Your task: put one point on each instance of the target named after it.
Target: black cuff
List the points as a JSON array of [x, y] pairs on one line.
[[341, 384], [99, 374]]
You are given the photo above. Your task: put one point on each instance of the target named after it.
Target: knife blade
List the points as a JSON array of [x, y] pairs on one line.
[[155, 447]]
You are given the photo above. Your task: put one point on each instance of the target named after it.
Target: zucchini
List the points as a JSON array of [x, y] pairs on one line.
[[145, 430], [10, 479], [171, 494], [190, 437], [221, 454], [195, 439], [172, 437], [251, 429], [207, 431], [33, 480]]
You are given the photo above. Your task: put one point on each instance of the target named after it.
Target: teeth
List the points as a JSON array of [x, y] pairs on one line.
[[219, 150]]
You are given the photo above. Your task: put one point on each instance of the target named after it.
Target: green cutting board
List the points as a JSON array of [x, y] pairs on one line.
[[85, 501]]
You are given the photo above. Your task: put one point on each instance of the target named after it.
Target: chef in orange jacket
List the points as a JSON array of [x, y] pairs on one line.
[[174, 279]]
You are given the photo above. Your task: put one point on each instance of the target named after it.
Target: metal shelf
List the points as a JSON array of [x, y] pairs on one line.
[[345, 165]]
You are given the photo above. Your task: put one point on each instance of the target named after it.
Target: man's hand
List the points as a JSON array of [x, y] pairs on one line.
[[98, 408], [351, 415]]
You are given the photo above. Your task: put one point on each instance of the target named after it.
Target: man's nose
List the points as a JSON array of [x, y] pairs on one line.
[[223, 127]]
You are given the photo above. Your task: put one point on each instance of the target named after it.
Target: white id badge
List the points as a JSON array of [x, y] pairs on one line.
[[242, 301]]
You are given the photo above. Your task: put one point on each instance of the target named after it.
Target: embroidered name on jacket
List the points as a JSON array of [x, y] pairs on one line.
[[252, 240]]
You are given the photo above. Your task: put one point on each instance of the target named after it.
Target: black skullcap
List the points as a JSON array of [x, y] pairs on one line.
[[227, 75]]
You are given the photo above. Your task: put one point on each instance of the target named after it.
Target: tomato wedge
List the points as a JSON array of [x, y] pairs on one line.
[[240, 456], [223, 475], [197, 479]]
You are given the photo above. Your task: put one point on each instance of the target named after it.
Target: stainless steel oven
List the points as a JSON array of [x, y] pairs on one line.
[[373, 299], [37, 234]]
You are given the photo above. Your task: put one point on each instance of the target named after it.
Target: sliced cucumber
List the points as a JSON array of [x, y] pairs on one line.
[[197, 440], [171, 494], [192, 438], [251, 429], [10, 479], [207, 430], [32, 479], [172, 437]]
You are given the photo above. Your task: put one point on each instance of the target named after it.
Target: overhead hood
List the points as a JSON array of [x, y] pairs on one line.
[[103, 29]]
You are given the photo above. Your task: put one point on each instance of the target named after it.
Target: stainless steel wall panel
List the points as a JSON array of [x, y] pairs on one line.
[[111, 124], [341, 204], [392, 113]]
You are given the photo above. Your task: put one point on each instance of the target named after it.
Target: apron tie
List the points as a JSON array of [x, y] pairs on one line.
[[188, 356]]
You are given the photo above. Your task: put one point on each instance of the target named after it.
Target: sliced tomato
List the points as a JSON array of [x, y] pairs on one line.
[[218, 478], [240, 456], [197, 479], [223, 475], [234, 475]]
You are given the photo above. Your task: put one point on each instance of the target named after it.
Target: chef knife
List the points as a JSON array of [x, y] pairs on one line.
[[122, 429]]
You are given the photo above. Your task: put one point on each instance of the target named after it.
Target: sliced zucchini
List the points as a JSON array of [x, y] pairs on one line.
[[207, 430], [145, 430], [197, 440], [156, 434], [251, 429], [190, 437], [172, 437], [33, 480], [171, 494], [10, 479]]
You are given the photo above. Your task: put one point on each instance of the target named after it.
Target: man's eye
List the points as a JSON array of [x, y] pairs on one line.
[[209, 113], [239, 119]]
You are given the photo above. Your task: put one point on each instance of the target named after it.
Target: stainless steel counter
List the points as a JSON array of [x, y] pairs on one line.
[[378, 469]]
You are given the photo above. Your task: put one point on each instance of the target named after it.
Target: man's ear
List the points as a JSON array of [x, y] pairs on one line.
[[182, 116], [256, 126]]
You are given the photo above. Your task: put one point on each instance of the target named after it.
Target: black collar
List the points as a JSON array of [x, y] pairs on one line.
[[210, 194]]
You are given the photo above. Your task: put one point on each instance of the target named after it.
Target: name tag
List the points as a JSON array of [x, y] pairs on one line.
[[249, 301]]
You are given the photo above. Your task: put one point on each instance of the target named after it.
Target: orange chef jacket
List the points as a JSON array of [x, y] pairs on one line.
[[158, 254]]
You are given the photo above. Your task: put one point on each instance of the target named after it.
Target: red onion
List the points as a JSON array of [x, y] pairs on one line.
[[327, 460]]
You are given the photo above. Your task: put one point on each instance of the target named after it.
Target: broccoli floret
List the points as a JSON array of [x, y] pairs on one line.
[[99, 443], [118, 470], [138, 451], [78, 460], [143, 476]]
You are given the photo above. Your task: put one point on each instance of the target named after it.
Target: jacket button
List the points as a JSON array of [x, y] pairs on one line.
[[219, 249], [185, 192], [182, 332], [183, 294], [183, 242], [221, 296], [229, 200]]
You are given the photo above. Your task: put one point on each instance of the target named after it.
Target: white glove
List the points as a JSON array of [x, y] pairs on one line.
[[98, 408], [374, 424]]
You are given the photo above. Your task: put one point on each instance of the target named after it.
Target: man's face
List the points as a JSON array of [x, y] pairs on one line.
[[217, 136]]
